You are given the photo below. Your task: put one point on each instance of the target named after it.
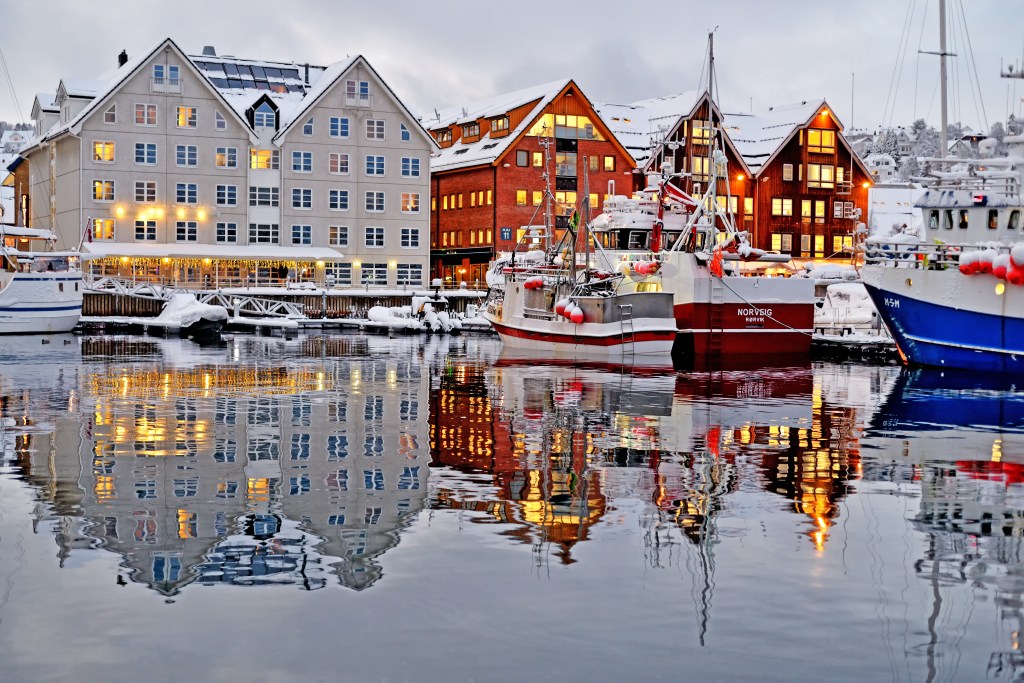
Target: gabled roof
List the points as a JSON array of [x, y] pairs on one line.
[[330, 76], [759, 137], [488, 150], [642, 125]]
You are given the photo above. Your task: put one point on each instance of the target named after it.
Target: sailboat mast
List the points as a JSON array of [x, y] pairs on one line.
[[943, 133]]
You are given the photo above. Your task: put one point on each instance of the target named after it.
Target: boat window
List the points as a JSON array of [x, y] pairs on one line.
[[963, 219], [947, 220], [60, 286], [9, 265], [637, 240], [670, 239], [993, 219], [1014, 222], [933, 220]]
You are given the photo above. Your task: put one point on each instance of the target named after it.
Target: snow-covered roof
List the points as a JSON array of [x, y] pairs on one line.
[[82, 87], [47, 101], [641, 125], [269, 252], [759, 136], [487, 149]]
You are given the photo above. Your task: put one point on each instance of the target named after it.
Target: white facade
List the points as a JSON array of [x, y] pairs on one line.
[[882, 167], [165, 153]]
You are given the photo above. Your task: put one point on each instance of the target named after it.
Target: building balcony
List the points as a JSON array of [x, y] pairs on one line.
[[165, 85], [359, 101], [844, 187]]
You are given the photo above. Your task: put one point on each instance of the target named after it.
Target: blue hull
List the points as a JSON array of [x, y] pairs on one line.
[[946, 337]]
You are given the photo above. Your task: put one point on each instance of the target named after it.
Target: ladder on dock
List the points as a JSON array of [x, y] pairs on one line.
[[715, 315], [626, 328]]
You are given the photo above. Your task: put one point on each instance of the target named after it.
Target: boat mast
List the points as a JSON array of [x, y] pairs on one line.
[[944, 134]]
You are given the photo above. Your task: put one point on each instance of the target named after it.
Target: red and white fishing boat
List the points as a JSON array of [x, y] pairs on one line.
[[554, 297], [693, 251]]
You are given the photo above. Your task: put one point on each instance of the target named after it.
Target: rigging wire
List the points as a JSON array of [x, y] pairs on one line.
[[917, 74], [972, 64], [890, 103], [10, 84]]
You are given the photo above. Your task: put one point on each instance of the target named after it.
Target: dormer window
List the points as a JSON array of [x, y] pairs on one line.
[[471, 130], [264, 116], [499, 125], [444, 136], [357, 93]]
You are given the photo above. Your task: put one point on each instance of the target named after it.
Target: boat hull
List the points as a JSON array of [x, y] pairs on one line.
[[588, 340], [41, 303], [945, 319]]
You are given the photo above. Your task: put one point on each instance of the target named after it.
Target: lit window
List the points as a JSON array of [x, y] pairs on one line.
[[499, 125], [187, 117], [264, 158], [609, 163], [103, 151], [227, 157], [787, 172], [103, 190], [145, 114], [782, 206], [471, 130], [537, 197], [410, 202], [520, 198], [821, 141], [103, 228], [821, 176]]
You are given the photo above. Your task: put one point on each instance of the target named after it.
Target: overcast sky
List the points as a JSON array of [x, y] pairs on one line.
[[443, 53]]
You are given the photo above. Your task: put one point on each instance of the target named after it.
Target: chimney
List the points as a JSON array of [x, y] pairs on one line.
[[122, 58], [307, 74], [208, 51]]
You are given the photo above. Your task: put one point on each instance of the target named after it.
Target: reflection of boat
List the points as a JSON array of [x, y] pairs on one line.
[[957, 300], [550, 302], [40, 291]]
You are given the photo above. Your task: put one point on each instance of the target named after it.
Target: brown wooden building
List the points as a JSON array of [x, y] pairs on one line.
[[794, 182], [487, 182]]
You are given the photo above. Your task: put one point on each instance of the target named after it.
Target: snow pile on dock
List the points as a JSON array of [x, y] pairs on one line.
[[183, 309]]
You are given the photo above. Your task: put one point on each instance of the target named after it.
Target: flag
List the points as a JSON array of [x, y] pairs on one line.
[[88, 230], [574, 219]]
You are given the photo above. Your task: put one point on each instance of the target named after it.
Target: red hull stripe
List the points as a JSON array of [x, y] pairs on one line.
[[611, 340]]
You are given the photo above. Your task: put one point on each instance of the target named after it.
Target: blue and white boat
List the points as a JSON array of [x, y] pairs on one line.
[[940, 311], [40, 291]]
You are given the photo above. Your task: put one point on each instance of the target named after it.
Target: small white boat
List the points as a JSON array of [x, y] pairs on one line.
[[40, 291]]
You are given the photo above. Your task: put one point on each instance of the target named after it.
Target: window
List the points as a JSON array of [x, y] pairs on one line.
[[819, 245], [337, 235], [1014, 221], [444, 136], [342, 275], [187, 117], [187, 231], [537, 197], [410, 202], [145, 230], [374, 237], [963, 219], [374, 200], [165, 74], [145, 114], [445, 202], [947, 219], [609, 163], [186, 155], [263, 196], [538, 159], [357, 92], [405, 136], [821, 176], [748, 207], [338, 127], [410, 274], [307, 127], [821, 141], [110, 115], [227, 232], [374, 129], [374, 165], [782, 243], [227, 195], [782, 206], [186, 193], [805, 244], [471, 130], [805, 211], [374, 274], [227, 157], [993, 219], [302, 234], [523, 158], [410, 238], [302, 162], [499, 125], [103, 151], [145, 191], [819, 210], [264, 116], [842, 244], [264, 158], [103, 190], [338, 163], [263, 233], [302, 198], [933, 220], [220, 123], [337, 200], [145, 153], [520, 197], [699, 167], [103, 228], [410, 167]]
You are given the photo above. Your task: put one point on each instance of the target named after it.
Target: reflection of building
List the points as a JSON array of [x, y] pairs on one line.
[[268, 470]]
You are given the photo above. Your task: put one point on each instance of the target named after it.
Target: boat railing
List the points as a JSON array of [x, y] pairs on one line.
[[922, 255]]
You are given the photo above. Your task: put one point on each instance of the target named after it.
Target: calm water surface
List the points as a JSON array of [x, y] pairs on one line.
[[371, 509]]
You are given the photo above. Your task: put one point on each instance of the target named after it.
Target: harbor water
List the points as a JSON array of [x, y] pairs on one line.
[[355, 508]]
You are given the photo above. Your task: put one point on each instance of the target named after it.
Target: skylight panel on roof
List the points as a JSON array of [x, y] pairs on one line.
[[258, 73], [490, 145], [461, 151]]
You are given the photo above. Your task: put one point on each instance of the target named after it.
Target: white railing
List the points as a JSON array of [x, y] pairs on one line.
[[238, 304]]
